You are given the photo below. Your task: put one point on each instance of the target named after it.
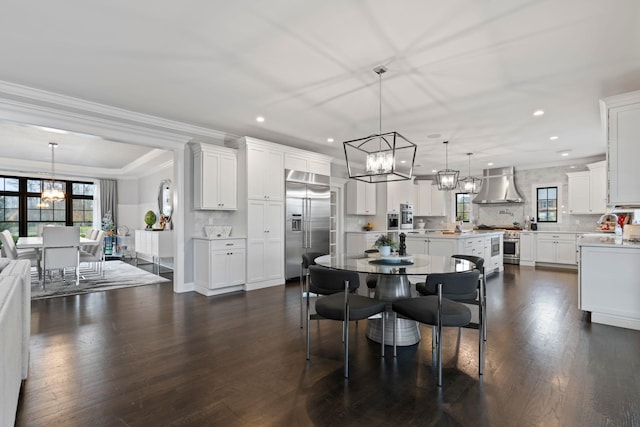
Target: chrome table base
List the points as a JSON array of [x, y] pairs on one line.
[[390, 288]]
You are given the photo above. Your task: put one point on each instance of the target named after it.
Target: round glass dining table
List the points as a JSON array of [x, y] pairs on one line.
[[393, 284]]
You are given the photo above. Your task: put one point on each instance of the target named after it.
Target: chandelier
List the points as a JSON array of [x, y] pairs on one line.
[[470, 184], [380, 157], [52, 191], [447, 179]]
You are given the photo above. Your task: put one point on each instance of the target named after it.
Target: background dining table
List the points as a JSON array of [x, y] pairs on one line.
[[393, 284]]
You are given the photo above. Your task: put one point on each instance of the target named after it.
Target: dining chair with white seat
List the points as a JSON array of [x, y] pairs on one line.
[[60, 250], [10, 251], [94, 254]]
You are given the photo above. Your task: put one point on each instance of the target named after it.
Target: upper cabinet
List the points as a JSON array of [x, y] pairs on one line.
[[361, 198], [307, 162], [265, 179], [215, 172], [399, 192], [588, 190], [429, 201], [621, 123]]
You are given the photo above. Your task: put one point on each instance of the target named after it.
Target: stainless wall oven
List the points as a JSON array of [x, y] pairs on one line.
[[511, 247]]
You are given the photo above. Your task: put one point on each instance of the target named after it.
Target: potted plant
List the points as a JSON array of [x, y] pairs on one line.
[[385, 244]]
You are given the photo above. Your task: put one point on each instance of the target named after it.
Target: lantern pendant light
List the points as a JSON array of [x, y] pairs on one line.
[[447, 179], [470, 184], [380, 157]]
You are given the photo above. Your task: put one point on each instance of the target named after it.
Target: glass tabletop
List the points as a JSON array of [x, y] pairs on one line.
[[414, 264]]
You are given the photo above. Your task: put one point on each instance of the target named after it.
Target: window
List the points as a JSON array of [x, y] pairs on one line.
[[547, 204], [463, 207], [24, 214], [9, 205]]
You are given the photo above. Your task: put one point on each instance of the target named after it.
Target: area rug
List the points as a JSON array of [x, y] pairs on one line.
[[117, 274]]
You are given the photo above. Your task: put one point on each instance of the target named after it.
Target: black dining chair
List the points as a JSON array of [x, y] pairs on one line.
[[308, 258], [438, 311], [337, 300], [479, 299]]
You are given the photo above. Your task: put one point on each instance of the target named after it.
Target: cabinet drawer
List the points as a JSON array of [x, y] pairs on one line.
[[567, 237], [228, 244]]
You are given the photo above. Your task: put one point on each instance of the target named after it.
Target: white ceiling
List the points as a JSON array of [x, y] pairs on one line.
[[471, 71]]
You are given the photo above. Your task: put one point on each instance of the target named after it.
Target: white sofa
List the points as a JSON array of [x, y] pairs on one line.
[[15, 331]]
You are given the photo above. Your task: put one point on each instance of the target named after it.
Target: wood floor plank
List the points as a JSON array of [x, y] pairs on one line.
[[146, 356]]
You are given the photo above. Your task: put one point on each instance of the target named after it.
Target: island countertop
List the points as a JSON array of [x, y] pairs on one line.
[[607, 242]]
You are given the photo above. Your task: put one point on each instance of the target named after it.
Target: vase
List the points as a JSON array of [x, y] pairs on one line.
[[385, 250]]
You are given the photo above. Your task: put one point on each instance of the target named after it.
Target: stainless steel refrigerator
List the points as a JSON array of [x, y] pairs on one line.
[[306, 217]]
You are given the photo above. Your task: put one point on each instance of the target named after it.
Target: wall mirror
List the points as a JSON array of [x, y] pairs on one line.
[[165, 199]]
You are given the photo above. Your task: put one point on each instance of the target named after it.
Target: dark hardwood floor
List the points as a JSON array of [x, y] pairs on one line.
[[145, 356]]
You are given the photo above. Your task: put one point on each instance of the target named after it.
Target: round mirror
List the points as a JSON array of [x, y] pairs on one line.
[[165, 199]]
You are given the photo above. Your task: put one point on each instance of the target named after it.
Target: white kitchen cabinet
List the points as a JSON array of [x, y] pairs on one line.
[[474, 246], [578, 192], [215, 176], [265, 172], [399, 192], [219, 265], [587, 190], [556, 248], [431, 246], [527, 248], [609, 286], [307, 162], [155, 244], [265, 244], [621, 122], [361, 198], [428, 200], [358, 242], [493, 261]]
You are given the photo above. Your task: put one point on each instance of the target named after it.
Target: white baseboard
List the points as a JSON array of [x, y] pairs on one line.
[[622, 322], [211, 292]]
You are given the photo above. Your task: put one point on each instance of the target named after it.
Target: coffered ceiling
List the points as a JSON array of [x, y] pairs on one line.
[[471, 72]]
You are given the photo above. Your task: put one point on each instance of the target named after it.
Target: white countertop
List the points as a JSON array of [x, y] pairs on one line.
[[607, 242], [467, 235], [604, 233], [219, 238]]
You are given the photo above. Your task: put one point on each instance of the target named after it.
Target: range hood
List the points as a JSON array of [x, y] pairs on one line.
[[498, 186]]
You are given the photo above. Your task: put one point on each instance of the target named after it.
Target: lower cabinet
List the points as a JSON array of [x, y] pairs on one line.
[[527, 248], [556, 248], [219, 265], [431, 246], [358, 242], [156, 244], [265, 244]]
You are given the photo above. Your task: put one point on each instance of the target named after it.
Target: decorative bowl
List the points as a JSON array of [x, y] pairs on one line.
[[217, 231]]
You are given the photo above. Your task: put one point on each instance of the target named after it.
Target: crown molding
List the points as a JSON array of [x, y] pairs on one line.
[[34, 106]]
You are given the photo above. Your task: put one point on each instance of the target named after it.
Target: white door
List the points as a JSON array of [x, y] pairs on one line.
[[227, 182], [209, 180], [235, 267], [218, 269]]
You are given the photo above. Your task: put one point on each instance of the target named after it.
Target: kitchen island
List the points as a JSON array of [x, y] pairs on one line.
[[609, 281], [485, 244]]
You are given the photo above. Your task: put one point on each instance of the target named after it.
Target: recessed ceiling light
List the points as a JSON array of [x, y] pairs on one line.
[[403, 161], [490, 164], [572, 167], [553, 138], [260, 119], [538, 113], [565, 154], [434, 170], [52, 130], [329, 139]]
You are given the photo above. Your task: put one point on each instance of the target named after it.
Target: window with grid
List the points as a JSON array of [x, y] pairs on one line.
[[82, 205], [10, 204], [547, 204], [41, 214], [24, 214], [463, 207]]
